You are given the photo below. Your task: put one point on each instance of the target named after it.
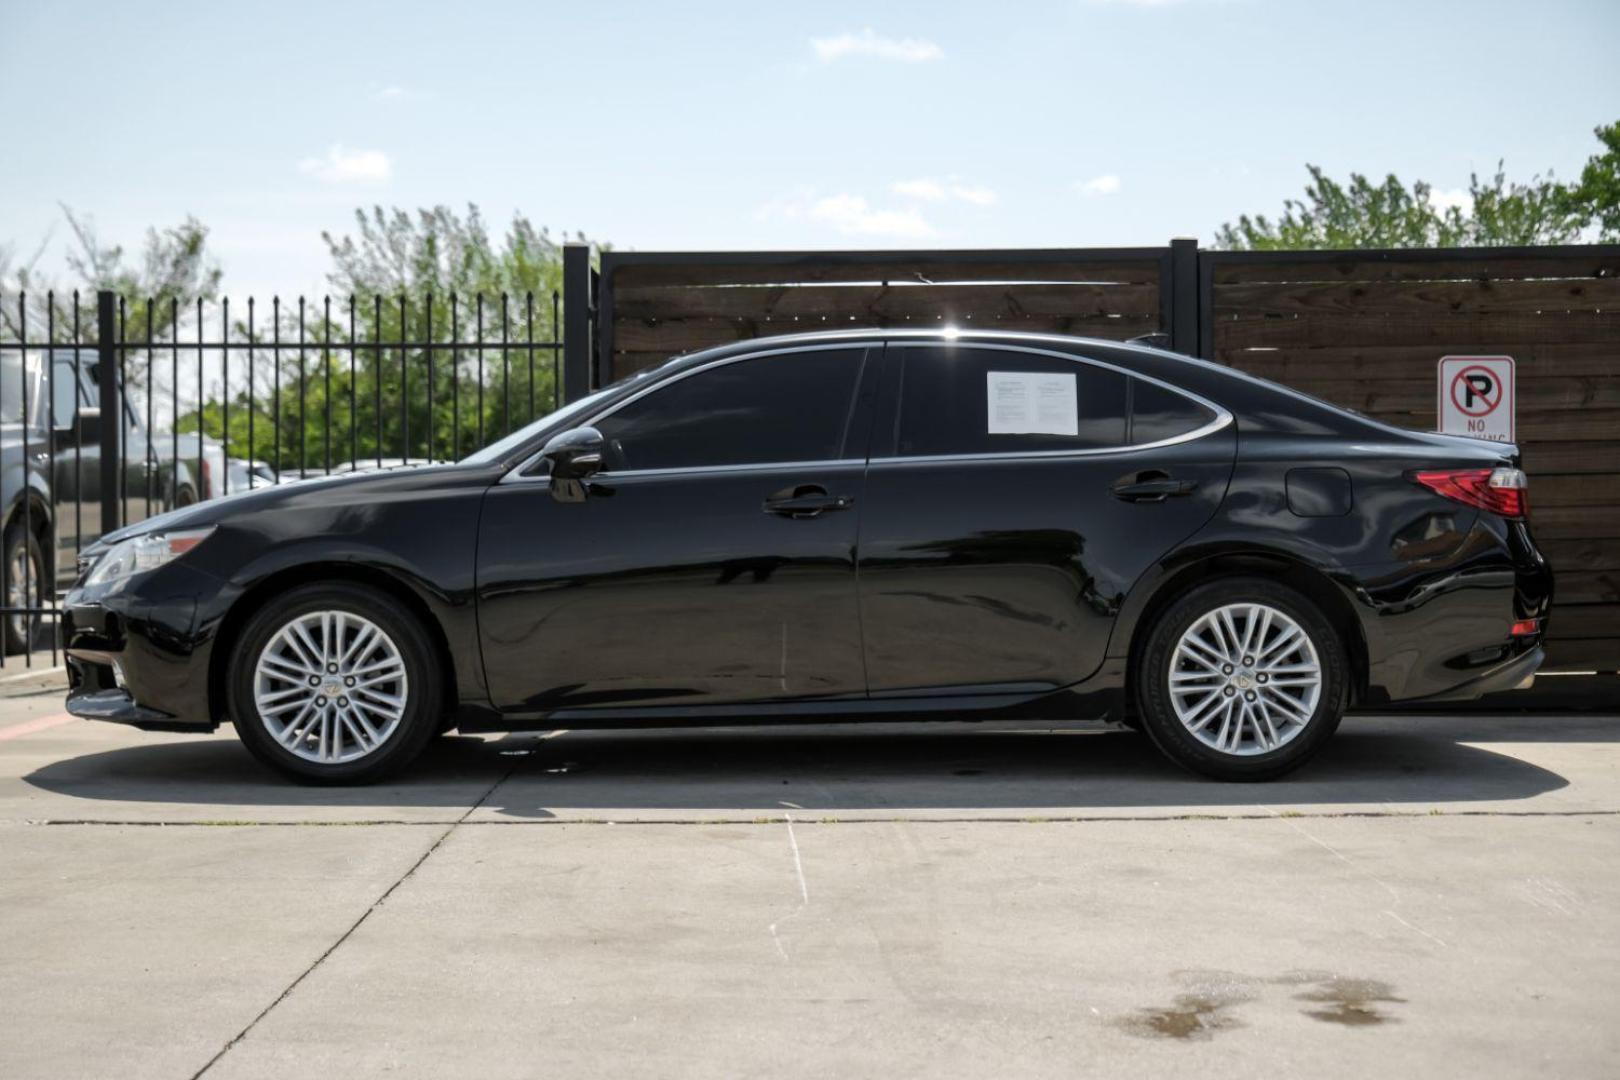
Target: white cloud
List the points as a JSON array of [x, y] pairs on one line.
[[852, 215], [389, 93], [1458, 197], [868, 43], [341, 165], [1106, 184], [927, 189]]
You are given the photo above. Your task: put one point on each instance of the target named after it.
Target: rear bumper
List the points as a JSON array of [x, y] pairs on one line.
[[1513, 674]]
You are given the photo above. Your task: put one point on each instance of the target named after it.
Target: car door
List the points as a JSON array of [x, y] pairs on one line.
[[1013, 497], [710, 561]]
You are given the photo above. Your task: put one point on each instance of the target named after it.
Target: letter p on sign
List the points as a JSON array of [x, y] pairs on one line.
[[1476, 397]]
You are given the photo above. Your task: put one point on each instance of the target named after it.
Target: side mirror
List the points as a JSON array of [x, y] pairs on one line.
[[575, 454], [85, 430]]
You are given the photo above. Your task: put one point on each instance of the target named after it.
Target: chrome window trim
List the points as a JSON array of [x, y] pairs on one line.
[[1220, 420], [515, 475], [1222, 417]]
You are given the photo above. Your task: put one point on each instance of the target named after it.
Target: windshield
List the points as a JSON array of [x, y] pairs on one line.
[[501, 448]]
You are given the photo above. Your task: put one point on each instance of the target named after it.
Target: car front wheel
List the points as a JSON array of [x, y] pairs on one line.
[[335, 683], [1242, 679]]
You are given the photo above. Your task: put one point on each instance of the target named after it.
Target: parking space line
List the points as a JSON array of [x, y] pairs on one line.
[[29, 727]]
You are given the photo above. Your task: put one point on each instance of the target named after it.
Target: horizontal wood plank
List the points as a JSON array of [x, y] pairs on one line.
[[1583, 621], [1585, 654], [1573, 522], [1416, 298], [1598, 490], [1548, 426], [679, 335], [1445, 334], [1586, 586], [875, 303], [905, 267], [1581, 553], [1357, 267], [1293, 364], [1418, 395]]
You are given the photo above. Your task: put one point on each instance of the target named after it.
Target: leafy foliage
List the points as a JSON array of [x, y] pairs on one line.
[[1362, 213]]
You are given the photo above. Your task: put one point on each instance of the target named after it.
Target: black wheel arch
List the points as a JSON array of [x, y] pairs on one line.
[[275, 584], [1143, 606]]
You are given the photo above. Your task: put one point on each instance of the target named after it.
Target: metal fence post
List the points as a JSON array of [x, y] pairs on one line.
[[1184, 297], [111, 419], [578, 338]]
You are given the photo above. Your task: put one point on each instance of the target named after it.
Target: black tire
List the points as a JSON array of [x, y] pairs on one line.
[[22, 631], [1152, 681], [424, 698]]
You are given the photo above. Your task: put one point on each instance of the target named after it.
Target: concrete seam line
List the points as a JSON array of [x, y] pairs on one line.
[[768, 821], [321, 959]]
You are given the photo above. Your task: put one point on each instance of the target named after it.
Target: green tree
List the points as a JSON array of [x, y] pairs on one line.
[[1597, 194], [1362, 213], [414, 277], [174, 269]]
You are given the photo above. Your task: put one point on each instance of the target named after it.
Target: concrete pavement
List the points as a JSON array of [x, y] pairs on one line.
[[1436, 895]]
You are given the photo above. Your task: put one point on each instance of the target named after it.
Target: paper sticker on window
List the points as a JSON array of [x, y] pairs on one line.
[[1032, 403]]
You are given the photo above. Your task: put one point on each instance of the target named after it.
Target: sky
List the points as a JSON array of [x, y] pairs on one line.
[[760, 125]]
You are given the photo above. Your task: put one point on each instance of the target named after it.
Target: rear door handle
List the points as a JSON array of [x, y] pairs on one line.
[[1152, 487], [806, 501]]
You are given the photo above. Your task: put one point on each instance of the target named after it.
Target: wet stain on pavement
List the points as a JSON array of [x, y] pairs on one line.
[[1351, 1002], [1193, 1016]]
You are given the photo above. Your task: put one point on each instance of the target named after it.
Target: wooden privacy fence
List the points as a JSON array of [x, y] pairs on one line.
[[1364, 329]]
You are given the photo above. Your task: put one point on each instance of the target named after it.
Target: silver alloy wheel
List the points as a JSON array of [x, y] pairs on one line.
[[331, 686], [1245, 679]]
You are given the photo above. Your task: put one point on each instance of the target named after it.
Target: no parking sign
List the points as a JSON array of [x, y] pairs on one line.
[[1476, 397]]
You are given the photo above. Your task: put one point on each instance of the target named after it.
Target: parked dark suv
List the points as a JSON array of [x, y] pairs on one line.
[[859, 525], [50, 476]]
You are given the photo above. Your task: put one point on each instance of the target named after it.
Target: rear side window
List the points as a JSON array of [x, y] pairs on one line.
[[1158, 414], [963, 400], [786, 407]]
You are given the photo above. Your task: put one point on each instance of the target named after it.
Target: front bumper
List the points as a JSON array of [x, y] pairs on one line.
[[137, 656]]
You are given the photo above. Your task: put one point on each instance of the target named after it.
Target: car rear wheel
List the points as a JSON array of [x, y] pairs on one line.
[[1242, 679], [335, 683]]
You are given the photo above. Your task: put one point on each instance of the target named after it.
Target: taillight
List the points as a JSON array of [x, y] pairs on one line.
[[1501, 491]]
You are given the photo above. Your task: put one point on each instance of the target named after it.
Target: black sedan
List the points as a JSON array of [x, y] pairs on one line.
[[841, 526]]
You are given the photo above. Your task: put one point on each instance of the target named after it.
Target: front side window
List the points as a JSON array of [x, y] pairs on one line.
[[974, 400], [782, 407]]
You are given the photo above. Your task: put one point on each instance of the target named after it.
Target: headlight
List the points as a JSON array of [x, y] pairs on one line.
[[139, 554]]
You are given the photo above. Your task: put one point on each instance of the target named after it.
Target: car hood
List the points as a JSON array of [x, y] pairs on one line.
[[314, 491]]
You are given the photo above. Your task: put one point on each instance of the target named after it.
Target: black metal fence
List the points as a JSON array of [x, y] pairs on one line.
[[119, 409]]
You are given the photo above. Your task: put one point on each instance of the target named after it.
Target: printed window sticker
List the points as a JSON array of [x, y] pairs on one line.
[[1031, 403]]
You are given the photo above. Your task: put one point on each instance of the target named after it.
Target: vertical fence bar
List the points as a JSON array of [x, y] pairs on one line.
[[303, 399], [107, 385], [78, 430], [51, 550], [225, 377], [427, 345], [404, 390], [148, 450], [376, 382], [529, 306], [275, 390], [252, 411], [120, 416], [28, 603], [480, 347], [455, 381], [326, 369], [556, 352], [174, 396], [578, 356], [506, 374], [200, 392], [354, 382]]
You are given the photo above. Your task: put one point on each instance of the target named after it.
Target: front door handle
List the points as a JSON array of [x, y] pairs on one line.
[[806, 501], [1151, 486]]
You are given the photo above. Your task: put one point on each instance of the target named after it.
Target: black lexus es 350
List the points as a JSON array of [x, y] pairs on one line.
[[841, 526]]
